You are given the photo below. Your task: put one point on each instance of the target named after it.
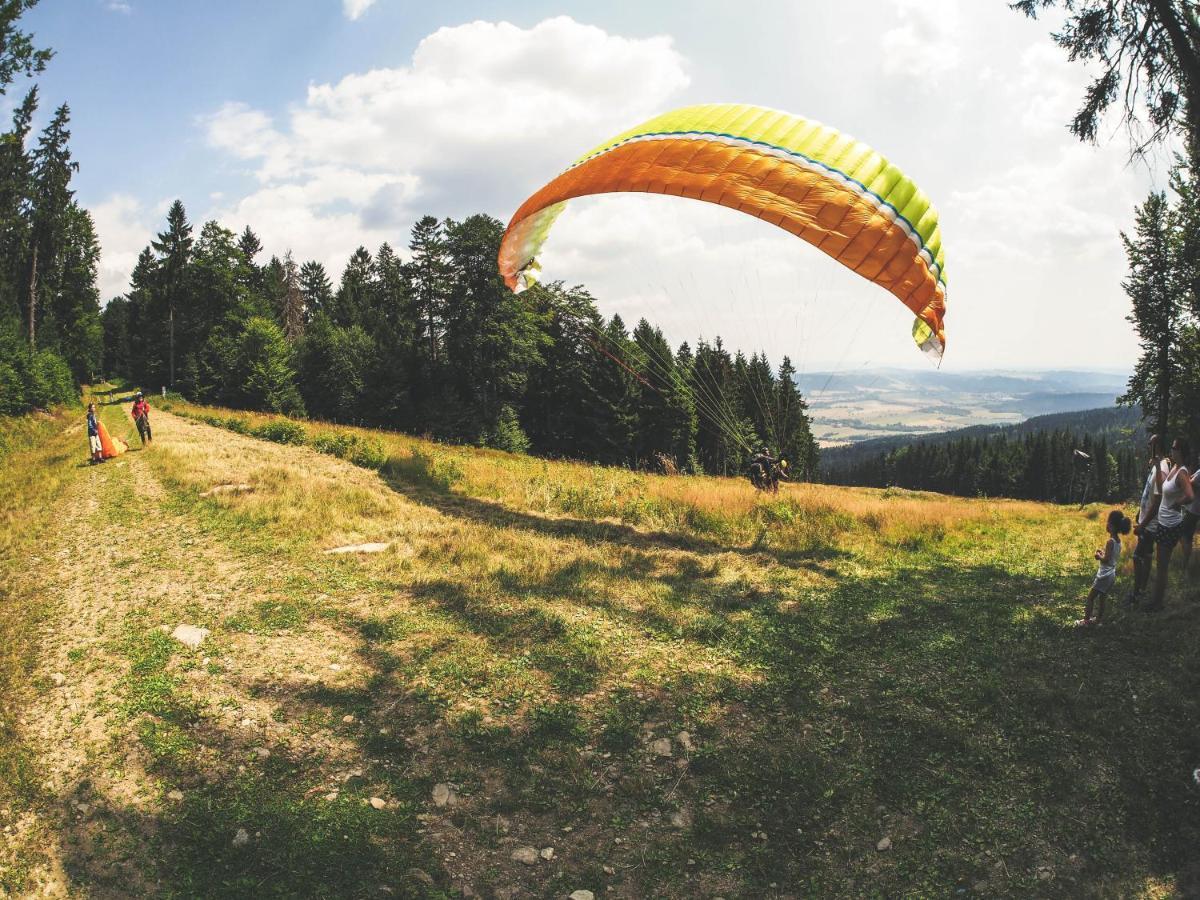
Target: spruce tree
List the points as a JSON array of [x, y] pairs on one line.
[[1154, 289], [294, 312], [316, 286], [174, 248]]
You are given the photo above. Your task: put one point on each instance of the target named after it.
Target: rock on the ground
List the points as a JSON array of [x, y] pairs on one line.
[[661, 747], [175, 795], [359, 548], [59, 679], [547, 853], [685, 741], [526, 855], [190, 635], [679, 819], [420, 875], [242, 838], [443, 795], [885, 844], [377, 802], [262, 752], [582, 895]]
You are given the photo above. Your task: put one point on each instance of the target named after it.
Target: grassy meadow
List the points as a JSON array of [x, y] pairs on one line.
[[665, 687]]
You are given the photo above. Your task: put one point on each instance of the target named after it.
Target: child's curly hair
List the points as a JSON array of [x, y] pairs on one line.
[[1119, 523]]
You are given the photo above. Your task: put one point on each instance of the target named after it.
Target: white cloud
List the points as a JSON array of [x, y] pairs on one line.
[[118, 6], [483, 112], [123, 228], [353, 9], [926, 43]]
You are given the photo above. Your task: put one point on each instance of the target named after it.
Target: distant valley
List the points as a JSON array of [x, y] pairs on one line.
[[849, 407]]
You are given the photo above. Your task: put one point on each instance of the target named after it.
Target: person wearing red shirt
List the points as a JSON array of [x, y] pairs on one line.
[[141, 417]]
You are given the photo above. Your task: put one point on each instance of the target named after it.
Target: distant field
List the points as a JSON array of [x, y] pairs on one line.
[[654, 687], [848, 407]]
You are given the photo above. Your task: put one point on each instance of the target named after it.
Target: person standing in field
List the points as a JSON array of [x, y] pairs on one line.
[[1191, 517], [1143, 553], [93, 430], [141, 417], [1109, 557], [1175, 489]]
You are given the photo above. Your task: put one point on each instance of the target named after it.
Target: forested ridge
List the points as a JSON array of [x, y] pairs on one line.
[[50, 335], [436, 344], [1032, 460]]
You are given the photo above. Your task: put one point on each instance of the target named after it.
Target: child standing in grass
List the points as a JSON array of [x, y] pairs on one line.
[[93, 430], [1106, 576]]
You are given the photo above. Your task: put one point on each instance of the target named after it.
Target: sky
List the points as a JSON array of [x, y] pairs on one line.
[[330, 124]]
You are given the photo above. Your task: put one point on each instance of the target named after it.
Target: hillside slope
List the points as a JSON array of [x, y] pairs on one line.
[[664, 687]]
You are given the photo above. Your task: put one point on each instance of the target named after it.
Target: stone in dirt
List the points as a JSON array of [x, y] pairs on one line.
[[420, 875], [190, 635], [526, 855], [443, 795], [262, 752], [242, 838], [885, 844], [685, 741], [360, 548], [662, 747], [547, 853], [226, 489], [59, 679], [377, 802], [175, 795], [582, 895]]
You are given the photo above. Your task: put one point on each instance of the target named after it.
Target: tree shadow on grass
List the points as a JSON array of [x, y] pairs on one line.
[[947, 708], [417, 483], [950, 708]]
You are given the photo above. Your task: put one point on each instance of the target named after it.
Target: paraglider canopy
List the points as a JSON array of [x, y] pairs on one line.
[[825, 187]]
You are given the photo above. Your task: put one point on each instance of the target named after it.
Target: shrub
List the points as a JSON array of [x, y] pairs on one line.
[[281, 431], [358, 450]]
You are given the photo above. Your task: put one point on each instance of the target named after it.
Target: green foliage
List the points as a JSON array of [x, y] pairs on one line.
[[440, 346], [264, 374], [1145, 55], [506, 434], [281, 431], [362, 452], [37, 380]]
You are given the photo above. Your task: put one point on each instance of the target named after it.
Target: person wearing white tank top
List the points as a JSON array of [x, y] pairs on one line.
[[1143, 553], [1191, 517], [1167, 529]]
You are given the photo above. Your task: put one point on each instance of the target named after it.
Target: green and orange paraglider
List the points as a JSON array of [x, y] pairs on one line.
[[825, 187]]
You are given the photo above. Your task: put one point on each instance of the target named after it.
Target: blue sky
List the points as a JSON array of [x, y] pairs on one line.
[[329, 123]]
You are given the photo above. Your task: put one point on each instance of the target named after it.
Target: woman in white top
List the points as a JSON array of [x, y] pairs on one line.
[[1191, 517], [1143, 553], [1167, 528]]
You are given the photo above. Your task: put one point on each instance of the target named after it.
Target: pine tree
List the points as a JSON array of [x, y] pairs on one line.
[[51, 199], [316, 286], [16, 198], [294, 312], [429, 273], [174, 248], [1154, 288]]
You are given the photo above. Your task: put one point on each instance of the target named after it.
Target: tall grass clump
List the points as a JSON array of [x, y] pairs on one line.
[[281, 431], [364, 452]]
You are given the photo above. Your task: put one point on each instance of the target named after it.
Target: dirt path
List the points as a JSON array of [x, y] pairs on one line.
[[128, 565]]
